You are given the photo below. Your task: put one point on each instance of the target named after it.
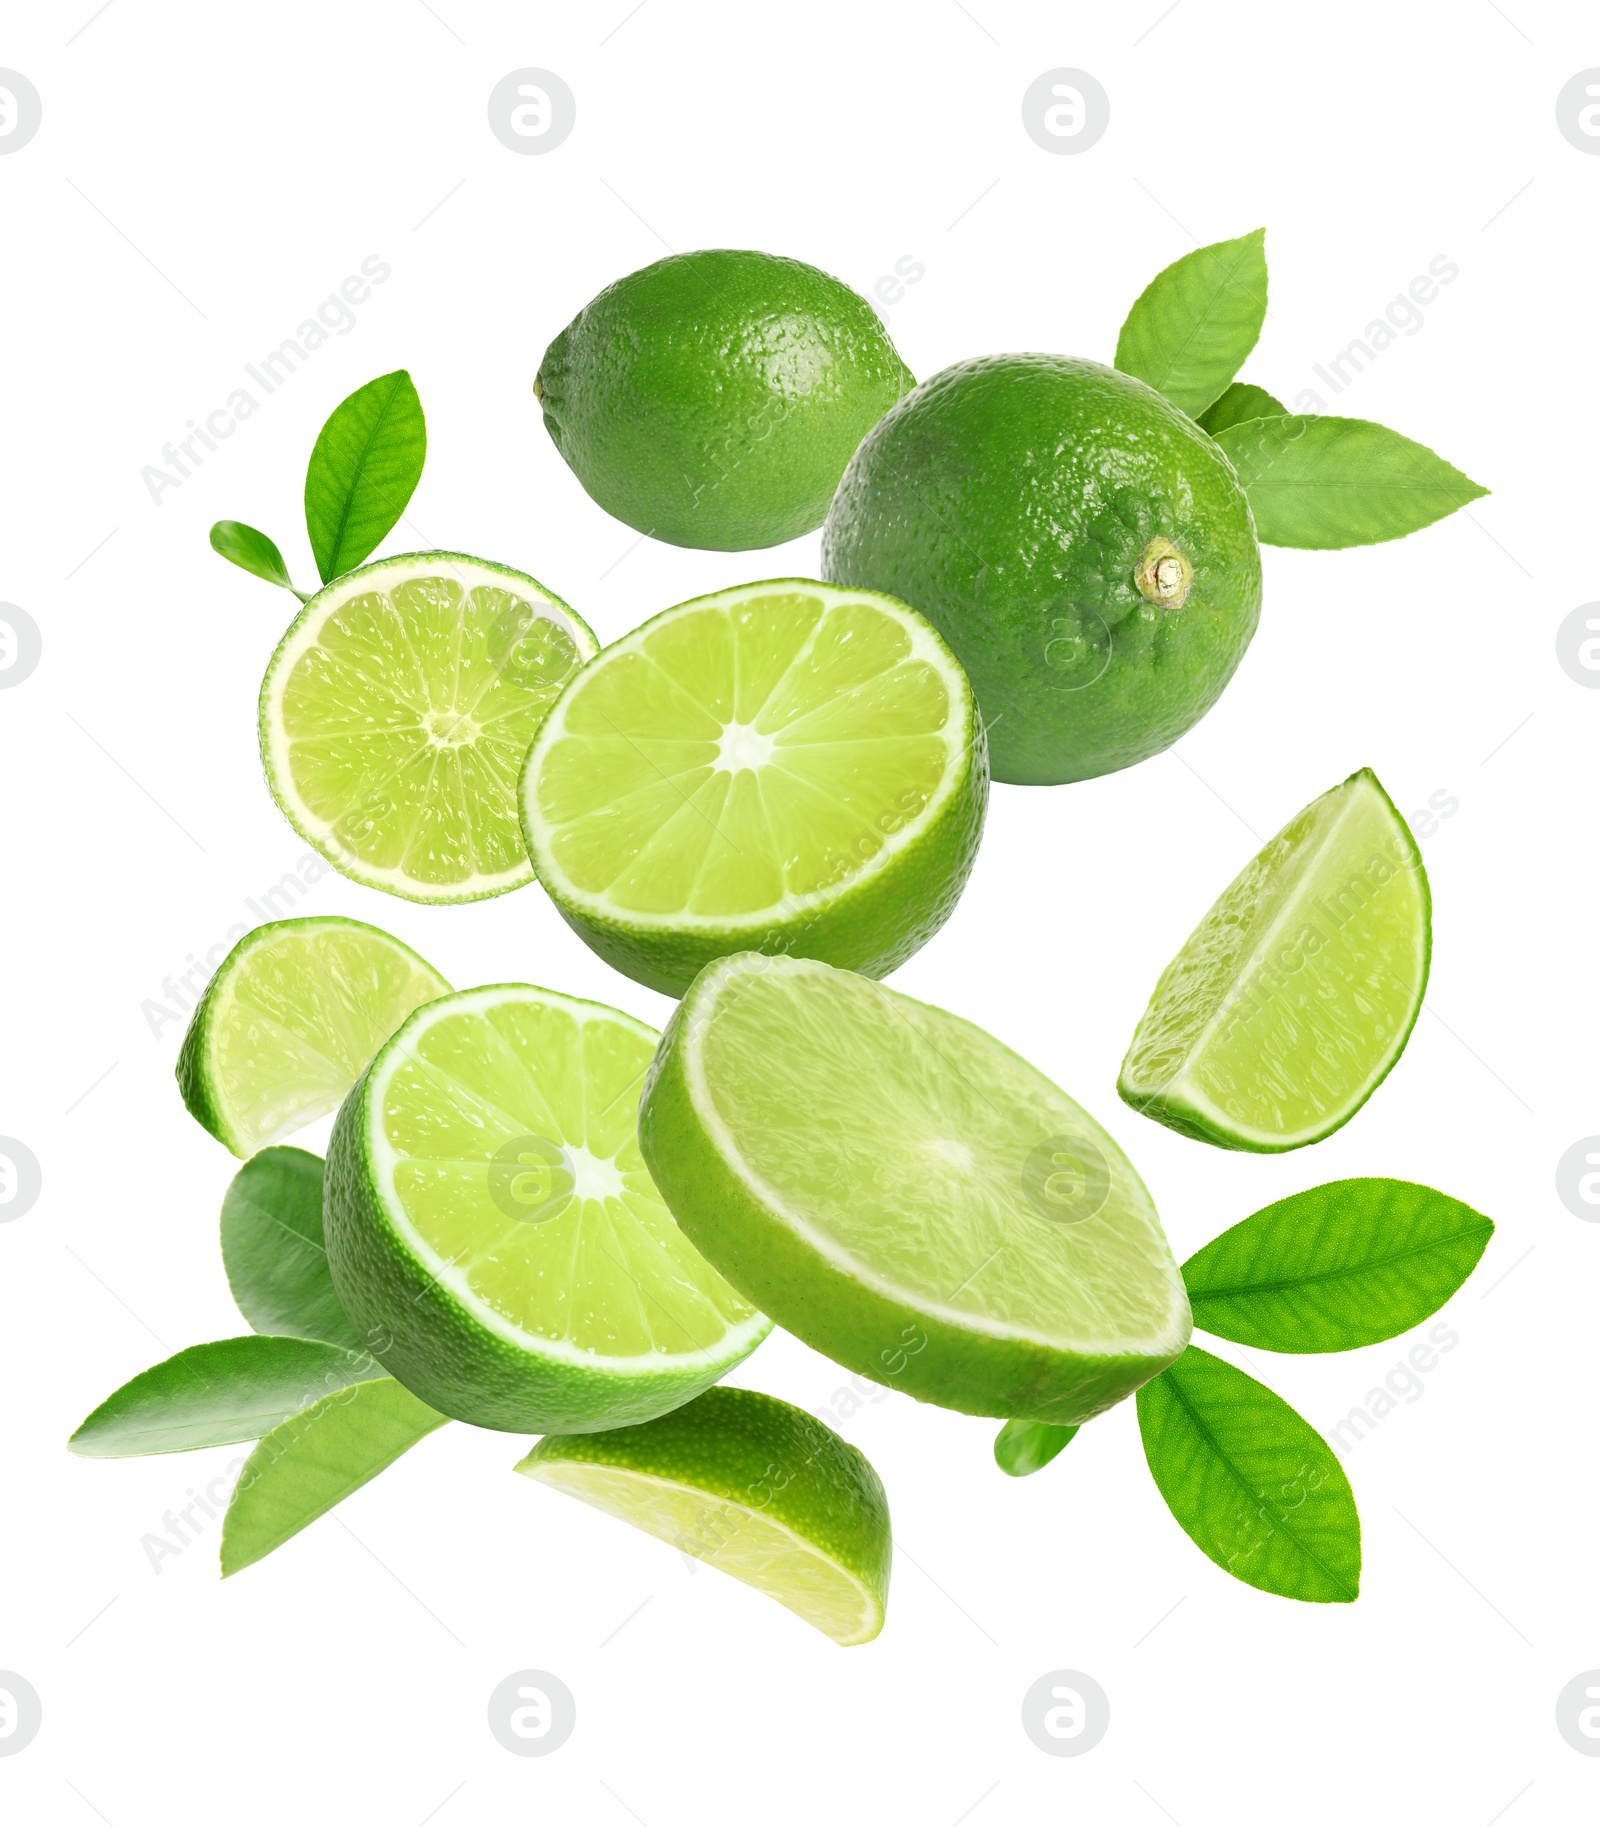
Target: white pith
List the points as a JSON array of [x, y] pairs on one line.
[[739, 749], [382, 1158], [470, 573]]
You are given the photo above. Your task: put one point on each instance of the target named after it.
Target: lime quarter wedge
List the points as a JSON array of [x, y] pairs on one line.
[[289, 1022], [784, 767], [752, 1486], [492, 1228], [908, 1196], [396, 714], [1294, 996]]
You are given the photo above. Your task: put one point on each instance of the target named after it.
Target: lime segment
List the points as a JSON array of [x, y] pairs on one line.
[[289, 1021], [785, 766], [908, 1196], [396, 714], [1294, 996], [489, 1215], [752, 1486]]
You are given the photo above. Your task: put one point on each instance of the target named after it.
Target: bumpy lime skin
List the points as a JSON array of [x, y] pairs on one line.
[[1011, 499], [436, 1348], [713, 399], [752, 1450], [889, 1340]]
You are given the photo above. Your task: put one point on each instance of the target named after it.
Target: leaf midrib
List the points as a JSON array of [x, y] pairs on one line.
[[1280, 1287], [350, 491]]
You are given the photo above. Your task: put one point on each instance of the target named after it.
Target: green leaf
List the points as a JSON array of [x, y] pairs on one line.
[[366, 463], [253, 552], [1347, 1264], [273, 1251], [1325, 483], [214, 1395], [1235, 404], [315, 1460], [1192, 326], [1022, 1447], [1253, 1485]]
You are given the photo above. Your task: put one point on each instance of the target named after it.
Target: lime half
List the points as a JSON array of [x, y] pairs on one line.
[[752, 1486], [782, 767], [396, 714], [905, 1194], [1297, 992], [490, 1218], [289, 1022]]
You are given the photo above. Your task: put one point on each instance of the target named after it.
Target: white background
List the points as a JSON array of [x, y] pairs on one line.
[[205, 176]]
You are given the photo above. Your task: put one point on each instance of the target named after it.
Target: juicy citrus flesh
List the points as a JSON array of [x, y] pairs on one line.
[[727, 762], [713, 399], [508, 1159], [290, 1020], [1296, 993], [753, 1487], [916, 1154], [396, 714], [1013, 499]]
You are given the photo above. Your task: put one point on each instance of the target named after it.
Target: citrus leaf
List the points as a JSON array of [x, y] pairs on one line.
[[315, 1460], [1022, 1447], [273, 1252], [1253, 1485], [364, 467], [1192, 326], [216, 1394], [1338, 1266], [1237, 403], [1324, 483], [251, 551]]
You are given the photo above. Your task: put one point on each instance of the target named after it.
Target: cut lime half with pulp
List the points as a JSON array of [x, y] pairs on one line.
[[907, 1195], [396, 714], [782, 767], [289, 1022], [752, 1486], [489, 1217], [1297, 992]]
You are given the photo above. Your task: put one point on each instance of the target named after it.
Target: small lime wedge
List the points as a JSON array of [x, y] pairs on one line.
[[289, 1021], [493, 1230], [396, 713], [906, 1195], [752, 1486], [781, 767], [1294, 996]]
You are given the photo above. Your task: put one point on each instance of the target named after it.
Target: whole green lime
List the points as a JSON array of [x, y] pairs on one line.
[[713, 399], [1082, 545]]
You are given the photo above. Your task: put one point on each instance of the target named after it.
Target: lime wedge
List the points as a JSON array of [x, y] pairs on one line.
[[492, 1227], [906, 1195], [1297, 992], [288, 1023], [396, 714], [785, 767], [752, 1486]]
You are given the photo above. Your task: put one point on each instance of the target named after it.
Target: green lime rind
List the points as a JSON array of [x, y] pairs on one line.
[[753, 1486], [1186, 1055], [397, 692], [878, 911], [928, 1326], [254, 1067], [438, 1331], [713, 399]]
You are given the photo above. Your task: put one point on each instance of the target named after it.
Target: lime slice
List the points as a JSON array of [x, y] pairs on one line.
[[783, 767], [396, 714], [1297, 992], [289, 1022], [490, 1219], [908, 1196], [748, 1484]]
